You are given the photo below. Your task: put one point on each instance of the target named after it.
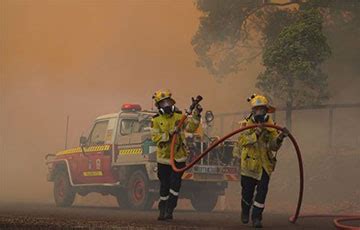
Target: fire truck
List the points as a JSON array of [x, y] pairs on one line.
[[118, 158]]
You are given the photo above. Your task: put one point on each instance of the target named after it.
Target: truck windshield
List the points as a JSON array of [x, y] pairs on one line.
[[129, 126], [97, 136]]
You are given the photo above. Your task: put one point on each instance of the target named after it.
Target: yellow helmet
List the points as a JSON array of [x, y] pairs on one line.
[[161, 95], [259, 100]]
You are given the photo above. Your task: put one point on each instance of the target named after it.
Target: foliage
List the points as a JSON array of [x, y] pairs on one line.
[[233, 33], [293, 62]]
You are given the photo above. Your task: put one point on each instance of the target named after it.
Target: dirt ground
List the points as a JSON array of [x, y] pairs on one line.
[[100, 212], [47, 216]]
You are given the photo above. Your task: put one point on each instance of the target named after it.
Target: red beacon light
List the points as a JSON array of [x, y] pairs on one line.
[[131, 107]]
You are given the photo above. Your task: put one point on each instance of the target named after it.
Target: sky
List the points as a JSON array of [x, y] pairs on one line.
[[86, 58]]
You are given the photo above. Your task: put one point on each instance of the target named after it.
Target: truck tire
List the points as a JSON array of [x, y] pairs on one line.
[[203, 201], [138, 195], [64, 193]]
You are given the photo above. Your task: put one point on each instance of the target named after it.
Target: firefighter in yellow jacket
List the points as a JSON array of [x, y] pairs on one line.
[[163, 128], [256, 149]]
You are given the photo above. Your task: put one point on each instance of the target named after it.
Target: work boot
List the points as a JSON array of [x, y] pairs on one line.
[[162, 208], [245, 211], [162, 216], [257, 217], [244, 217], [257, 223], [169, 214]]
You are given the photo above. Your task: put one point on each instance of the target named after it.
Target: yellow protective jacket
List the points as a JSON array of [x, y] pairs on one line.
[[162, 125], [256, 153]]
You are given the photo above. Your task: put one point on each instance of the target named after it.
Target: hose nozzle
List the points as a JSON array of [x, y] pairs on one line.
[[195, 101]]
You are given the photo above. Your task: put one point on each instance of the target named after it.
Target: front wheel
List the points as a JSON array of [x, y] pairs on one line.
[[204, 201], [139, 197], [64, 193]]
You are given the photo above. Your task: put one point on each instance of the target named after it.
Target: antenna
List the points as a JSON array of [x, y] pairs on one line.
[[66, 131]]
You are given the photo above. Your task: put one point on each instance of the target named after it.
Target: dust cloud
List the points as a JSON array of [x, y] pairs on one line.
[[86, 58]]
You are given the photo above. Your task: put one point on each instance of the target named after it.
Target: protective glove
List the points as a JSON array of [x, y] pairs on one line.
[[285, 133], [198, 109]]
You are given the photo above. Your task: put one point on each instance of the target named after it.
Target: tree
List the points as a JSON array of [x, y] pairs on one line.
[[230, 31], [293, 61], [233, 33]]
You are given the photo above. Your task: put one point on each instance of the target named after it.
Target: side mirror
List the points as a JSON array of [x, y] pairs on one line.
[[209, 116], [83, 141]]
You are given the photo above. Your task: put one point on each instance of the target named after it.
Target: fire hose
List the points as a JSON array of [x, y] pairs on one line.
[[292, 219]]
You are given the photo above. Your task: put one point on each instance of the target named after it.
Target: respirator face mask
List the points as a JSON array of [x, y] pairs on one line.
[[166, 106], [260, 114]]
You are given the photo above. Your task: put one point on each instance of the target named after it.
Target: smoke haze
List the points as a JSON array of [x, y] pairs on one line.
[[87, 58]]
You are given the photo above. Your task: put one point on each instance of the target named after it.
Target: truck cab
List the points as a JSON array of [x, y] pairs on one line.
[[118, 158]]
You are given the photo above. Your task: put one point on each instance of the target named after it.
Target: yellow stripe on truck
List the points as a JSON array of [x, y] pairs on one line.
[[132, 151], [93, 173], [97, 148]]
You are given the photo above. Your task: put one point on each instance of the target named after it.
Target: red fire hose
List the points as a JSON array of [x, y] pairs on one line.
[[293, 218]]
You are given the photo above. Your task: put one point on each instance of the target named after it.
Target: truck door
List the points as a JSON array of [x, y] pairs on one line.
[[95, 164], [133, 131]]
